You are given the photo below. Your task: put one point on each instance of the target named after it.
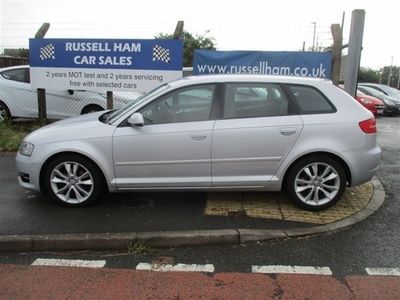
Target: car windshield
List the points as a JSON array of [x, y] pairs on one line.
[[392, 91], [115, 114], [371, 91]]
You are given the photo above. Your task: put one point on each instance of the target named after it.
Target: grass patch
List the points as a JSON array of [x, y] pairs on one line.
[[137, 248], [11, 135]]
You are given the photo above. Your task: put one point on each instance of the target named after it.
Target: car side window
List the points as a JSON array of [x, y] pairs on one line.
[[184, 105], [310, 100], [21, 75], [250, 100]]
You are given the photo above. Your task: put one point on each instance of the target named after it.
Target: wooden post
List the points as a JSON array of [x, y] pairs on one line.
[[109, 100], [41, 93], [42, 31], [178, 33], [336, 52], [42, 112]]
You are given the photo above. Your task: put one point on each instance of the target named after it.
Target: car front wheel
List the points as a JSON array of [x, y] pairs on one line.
[[73, 181], [4, 113], [316, 182]]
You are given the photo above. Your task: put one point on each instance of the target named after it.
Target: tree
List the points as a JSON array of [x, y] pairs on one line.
[[368, 75], [190, 43], [393, 71], [21, 52]]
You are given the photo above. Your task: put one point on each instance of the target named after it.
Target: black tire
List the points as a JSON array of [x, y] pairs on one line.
[[84, 189], [5, 115], [91, 108], [318, 185]]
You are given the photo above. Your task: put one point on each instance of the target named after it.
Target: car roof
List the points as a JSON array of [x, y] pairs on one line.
[[372, 83], [13, 67], [198, 79]]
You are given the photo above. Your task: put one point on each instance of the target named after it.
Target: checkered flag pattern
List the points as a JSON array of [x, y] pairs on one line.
[[47, 52], [160, 53]]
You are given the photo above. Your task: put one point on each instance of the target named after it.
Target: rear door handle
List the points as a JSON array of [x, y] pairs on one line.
[[287, 130], [198, 137]]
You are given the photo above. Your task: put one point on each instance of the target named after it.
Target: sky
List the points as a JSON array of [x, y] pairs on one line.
[[236, 25]]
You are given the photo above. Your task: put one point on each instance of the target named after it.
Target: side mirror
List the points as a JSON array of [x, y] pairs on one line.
[[71, 92], [136, 120]]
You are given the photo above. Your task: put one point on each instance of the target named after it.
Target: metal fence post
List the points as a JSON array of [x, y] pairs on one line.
[[354, 53]]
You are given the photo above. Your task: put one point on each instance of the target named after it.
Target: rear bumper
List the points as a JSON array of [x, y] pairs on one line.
[[363, 164]]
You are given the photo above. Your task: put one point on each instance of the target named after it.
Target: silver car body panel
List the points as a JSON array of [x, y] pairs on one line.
[[221, 154], [163, 155], [239, 150]]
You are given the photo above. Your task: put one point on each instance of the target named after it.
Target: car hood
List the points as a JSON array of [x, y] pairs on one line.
[[395, 100], [370, 98], [79, 119], [82, 127]]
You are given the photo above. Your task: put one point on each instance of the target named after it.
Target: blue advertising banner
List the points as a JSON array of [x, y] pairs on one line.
[[288, 63], [104, 64]]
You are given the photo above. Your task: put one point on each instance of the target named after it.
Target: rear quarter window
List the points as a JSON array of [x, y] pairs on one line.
[[310, 100], [21, 75]]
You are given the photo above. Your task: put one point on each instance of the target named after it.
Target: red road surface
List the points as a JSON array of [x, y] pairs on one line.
[[28, 282]]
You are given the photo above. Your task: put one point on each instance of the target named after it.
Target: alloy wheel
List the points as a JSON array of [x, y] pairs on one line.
[[71, 182], [317, 184]]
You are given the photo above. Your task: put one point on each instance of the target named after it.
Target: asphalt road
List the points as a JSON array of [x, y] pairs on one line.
[[370, 243], [27, 212]]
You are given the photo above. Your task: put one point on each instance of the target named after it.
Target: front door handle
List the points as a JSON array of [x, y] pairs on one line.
[[198, 137], [287, 130]]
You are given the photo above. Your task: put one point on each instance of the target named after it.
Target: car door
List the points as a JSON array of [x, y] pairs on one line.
[[62, 103], [256, 132], [173, 148]]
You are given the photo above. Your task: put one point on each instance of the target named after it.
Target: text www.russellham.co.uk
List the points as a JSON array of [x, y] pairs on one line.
[[264, 69]]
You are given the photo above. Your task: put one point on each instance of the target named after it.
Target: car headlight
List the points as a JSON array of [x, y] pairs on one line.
[[389, 102], [26, 148], [366, 101]]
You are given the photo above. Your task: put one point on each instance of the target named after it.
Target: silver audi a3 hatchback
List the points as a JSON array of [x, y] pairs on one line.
[[214, 133]]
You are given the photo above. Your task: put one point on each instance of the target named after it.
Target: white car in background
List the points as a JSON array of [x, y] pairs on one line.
[[19, 100]]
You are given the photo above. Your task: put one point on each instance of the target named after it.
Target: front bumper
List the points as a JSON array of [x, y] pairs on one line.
[[392, 110], [28, 171]]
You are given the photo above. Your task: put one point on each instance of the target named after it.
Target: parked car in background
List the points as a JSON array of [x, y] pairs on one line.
[[383, 88], [371, 103], [218, 132], [19, 100], [392, 105]]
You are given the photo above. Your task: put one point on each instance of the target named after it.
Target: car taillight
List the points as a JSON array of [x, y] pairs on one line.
[[368, 126]]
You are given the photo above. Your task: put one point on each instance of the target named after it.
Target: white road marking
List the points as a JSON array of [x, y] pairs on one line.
[[31, 196], [291, 270], [383, 271], [208, 268], [69, 263]]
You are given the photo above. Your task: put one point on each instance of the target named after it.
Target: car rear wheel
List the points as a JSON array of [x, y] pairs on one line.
[[316, 182], [4, 113], [73, 181], [91, 108]]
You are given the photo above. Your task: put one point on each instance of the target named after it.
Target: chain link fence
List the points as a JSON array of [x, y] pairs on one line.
[[19, 101]]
